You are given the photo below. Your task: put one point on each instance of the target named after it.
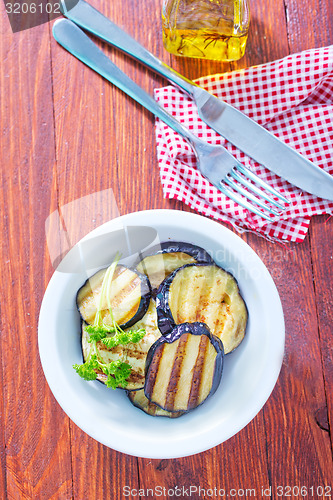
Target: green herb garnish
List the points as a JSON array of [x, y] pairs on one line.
[[87, 369], [123, 338], [117, 371], [97, 333], [111, 336]]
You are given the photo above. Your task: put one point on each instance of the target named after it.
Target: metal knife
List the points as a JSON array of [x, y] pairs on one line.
[[237, 128]]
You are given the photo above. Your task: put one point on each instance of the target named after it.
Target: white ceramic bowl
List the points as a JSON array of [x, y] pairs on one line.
[[249, 375]]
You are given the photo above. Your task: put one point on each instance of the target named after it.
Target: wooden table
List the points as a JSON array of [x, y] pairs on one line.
[[65, 134]]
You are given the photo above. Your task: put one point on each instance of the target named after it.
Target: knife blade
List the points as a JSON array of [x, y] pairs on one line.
[[247, 135]]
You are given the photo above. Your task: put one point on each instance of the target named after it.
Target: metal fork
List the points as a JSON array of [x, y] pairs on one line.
[[215, 163]]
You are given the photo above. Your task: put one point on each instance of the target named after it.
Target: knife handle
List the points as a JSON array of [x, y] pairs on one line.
[[87, 17], [73, 39]]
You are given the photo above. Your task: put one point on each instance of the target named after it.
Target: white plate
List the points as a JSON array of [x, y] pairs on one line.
[[249, 374]]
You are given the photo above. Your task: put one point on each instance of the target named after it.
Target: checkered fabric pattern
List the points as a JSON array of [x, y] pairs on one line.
[[292, 98]]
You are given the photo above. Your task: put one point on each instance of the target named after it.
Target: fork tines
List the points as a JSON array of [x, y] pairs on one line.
[[237, 187]]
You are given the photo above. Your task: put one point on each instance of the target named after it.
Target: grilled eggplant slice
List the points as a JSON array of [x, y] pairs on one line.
[[133, 354], [131, 294], [162, 259], [138, 399], [206, 293], [184, 367]]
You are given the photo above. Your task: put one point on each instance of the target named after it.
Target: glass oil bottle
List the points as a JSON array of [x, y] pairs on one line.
[[206, 29]]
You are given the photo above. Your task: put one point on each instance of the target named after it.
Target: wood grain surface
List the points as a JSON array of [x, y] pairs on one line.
[[66, 134]]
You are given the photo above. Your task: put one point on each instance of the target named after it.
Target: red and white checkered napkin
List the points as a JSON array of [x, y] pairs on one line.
[[292, 98]]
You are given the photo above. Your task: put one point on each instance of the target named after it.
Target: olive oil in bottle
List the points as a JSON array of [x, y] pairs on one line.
[[206, 29]]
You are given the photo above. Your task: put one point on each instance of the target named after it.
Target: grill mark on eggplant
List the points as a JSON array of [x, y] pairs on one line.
[[178, 293], [184, 389], [119, 270], [161, 375], [186, 371], [196, 292], [176, 371], [211, 312], [117, 294], [204, 300], [120, 296], [153, 371], [135, 377], [219, 305], [129, 297], [125, 290], [207, 370], [225, 317], [121, 312], [139, 400], [197, 379], [136, 354], [130, 313], [115, 350]]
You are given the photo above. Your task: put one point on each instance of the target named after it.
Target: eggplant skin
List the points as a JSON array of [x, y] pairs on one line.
[[139, 400], [184, 368], [205, 293], [160, 260], [87, 296]]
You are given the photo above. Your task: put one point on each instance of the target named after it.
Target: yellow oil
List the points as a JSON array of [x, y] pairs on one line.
[[204, 44], [206, 29]]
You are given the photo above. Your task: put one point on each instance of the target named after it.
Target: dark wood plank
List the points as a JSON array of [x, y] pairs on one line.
[[322, 231], [240, 464], [98, 471], [292, 432], [3, 479], [268, 32], [308, 28], [35, 430], [308, 24]]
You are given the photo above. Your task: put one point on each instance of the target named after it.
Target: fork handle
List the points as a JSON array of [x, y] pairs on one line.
[[73, 39], [86, 16]]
